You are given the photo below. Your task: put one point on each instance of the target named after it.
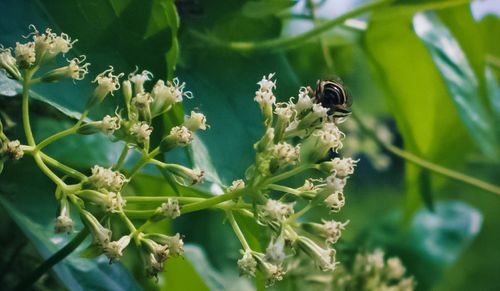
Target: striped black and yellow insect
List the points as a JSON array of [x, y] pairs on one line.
[[331, 94]]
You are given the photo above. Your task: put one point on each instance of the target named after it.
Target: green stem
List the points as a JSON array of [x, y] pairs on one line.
[[237, 230], [62, 167], [143, 161], [426, 164], [183, 199], [48, 172], [121, 159], [53, 260], [283, 189], [209, 202], [25, 108], [274, 44], [61, 134], [288, 174]]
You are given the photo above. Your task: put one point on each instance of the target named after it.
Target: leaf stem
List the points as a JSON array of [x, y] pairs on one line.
[[426, 164], [281, 43], [287, 174], [25, 108], [237, 230], [121, 159], [53, 260]]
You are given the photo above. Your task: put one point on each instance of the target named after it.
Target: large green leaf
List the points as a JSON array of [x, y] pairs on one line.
[[33, 207], [461, 80], [418, 97]]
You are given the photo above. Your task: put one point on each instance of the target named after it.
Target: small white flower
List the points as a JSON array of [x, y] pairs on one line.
[[139, 80], [64, 224], [114, 249], [267, 84], [181, 135], [236, 185], [319, 111], [76, 70], [304, 102], [104, 178], [142, 99], [160, 251], [343, 167], [395, 268], [196, 121], [247, 264], [275, 210], [285, 153], [175, 244], [102, 235], [275, 253], [8, 63], [61, 44], [14, 149], [335, 201], [324, 258], [114, 202], [285, 111], [170, 208], [141, 131], [107, 83], [167, 95], [265, 99], [335, 184], [154, 266], [110, 124], [25, 54], [333, 230]]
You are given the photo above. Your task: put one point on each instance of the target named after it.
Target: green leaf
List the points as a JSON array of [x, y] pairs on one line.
[[193, 272], [33, 207], [418, 97], [258, 9], [462, 82]]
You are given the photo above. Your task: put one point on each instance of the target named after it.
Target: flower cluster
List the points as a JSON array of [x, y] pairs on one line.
[[98, 195], [371, 272], [300, 136]]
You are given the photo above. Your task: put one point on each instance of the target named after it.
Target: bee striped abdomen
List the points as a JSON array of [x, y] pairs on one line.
[[333, 96]]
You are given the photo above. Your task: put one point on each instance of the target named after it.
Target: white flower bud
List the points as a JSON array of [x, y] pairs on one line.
[[304, 102], [103, 178], [324, 258], [247, 264], [333, 230], [276, 211], [196, 121], [275, 253], [170, 208], [174, 243], [179, 136], [165, 96], [335, 201], [285, 154], [141, 131], [317, 145], [142, 99], [395, 269], [64, 224], [335, 184], [139, 80], [8, 63], [267, 84], [73, 70], [102, 235], [107, 83], [110, 124], [236, 185], [60, 44], [114, 249], [13, 149], [114, 202], [25, 54]]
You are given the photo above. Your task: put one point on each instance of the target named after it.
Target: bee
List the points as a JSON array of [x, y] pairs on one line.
[[331, 94]]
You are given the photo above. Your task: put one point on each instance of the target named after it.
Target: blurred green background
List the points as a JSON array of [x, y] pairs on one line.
[[423, 76]]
